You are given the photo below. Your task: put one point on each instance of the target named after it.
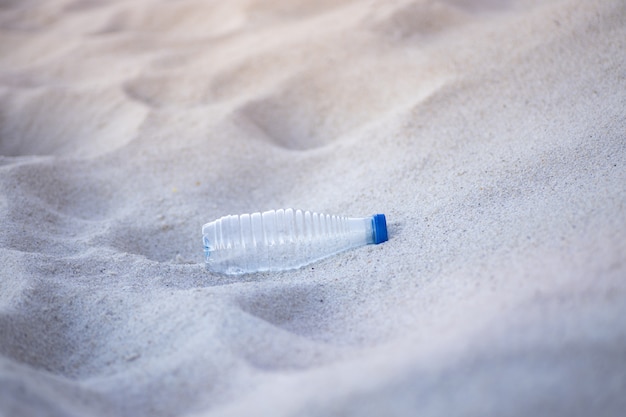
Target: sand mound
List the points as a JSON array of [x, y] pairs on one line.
[[491, 134]]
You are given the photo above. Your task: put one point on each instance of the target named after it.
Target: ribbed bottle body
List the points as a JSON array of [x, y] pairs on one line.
[[279, 239]]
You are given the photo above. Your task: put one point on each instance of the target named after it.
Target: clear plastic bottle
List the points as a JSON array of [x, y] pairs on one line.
[[284, 239]]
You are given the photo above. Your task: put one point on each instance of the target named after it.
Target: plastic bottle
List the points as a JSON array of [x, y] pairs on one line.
[[284, 239]]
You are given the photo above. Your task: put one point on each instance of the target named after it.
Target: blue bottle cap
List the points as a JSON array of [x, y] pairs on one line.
[[379, 225]]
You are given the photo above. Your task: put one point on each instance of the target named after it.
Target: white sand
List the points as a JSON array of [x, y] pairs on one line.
[[491, 133]]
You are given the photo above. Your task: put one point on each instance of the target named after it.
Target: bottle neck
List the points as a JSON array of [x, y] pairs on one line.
[[361, 229]]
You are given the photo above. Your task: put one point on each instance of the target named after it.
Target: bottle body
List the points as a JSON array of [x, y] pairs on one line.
[[281, 239]]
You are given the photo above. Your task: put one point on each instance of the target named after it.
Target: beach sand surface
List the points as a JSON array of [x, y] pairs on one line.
[[492, 134]]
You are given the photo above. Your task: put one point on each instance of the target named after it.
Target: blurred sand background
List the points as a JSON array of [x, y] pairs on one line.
[[491, 133]]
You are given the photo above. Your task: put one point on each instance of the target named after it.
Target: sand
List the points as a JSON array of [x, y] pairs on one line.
[[491, 133]]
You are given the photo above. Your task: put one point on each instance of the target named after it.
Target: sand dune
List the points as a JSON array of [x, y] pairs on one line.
[[491, 134]]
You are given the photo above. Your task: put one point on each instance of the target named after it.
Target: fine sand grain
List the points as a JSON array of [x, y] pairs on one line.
[[491, 133]]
